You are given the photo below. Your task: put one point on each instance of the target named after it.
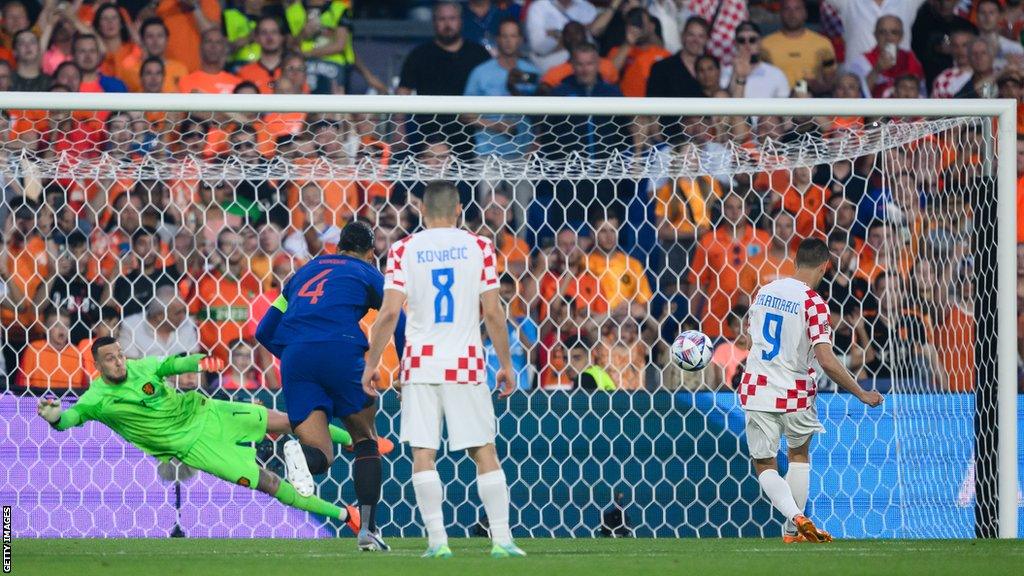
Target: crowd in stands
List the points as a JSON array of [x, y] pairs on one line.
[[599, 274]]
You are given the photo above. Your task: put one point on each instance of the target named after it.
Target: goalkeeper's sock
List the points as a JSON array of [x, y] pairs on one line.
[[367, 475], [493, 491], [799, 479], [287, 495], [429, 495], [339, 435], [778, 492]]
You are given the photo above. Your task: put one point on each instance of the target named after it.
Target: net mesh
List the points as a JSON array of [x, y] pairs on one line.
[[613, 234]]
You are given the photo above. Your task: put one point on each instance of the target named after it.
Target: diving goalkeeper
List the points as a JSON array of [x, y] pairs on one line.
[[131, 398]]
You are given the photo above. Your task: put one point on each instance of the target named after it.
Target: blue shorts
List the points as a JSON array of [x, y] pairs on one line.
[[325, 376]]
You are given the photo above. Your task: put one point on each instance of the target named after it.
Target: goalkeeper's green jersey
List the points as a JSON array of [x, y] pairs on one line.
[[144, 409]]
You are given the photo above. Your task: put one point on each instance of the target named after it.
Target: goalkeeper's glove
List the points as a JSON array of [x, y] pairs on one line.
[[211, 364], [49, 409]]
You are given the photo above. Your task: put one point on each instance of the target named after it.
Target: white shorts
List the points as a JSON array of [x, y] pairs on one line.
[[467, 410], [765, 430]]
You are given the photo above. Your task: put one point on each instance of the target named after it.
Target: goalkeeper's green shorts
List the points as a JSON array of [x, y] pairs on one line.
[[225, 449]]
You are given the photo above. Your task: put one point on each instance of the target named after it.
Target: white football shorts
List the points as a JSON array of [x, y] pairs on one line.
[[466, 409], [765, 430]]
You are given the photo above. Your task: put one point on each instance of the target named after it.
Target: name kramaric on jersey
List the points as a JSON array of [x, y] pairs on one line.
[[769, 301], [443, 255]]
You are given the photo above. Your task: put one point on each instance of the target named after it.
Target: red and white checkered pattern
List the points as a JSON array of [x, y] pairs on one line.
[[394, 273], [801, 397], [950, 81], [749, 385], [470, 369], [412, 358], [443, 272], [489, 273], [723, 30], [818, 327], [786, 319]]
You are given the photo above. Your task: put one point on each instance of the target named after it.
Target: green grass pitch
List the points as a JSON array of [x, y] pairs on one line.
[[560, 557]]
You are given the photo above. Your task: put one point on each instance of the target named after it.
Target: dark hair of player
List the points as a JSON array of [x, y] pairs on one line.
[[440, 199], [356, 237], [811, 253], [100, 343]]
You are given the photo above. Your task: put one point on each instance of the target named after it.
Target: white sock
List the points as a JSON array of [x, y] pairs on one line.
[[778, 492], [429, 495], [799, 479], [494, 494]]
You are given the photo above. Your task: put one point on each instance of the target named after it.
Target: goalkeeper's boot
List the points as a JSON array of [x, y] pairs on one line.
[[808, 530], [353, 521], [372, 542], [509, 550], [797, 538], [296, 469], [439, 551]]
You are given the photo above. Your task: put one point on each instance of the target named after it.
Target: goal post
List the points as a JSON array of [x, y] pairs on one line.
[[567, 480]]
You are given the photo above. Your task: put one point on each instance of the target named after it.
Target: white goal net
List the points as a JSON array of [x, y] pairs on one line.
[[614, 231]]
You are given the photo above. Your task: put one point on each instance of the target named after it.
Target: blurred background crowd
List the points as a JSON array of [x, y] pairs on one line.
[[599, 274]]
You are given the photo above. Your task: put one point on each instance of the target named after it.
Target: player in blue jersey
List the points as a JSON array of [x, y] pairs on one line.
[[313, 327]]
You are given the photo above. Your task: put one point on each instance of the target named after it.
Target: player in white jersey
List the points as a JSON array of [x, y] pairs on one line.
[[787, 328], [447, 275]]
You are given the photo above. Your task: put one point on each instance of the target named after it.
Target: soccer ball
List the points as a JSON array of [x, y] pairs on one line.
[[692, 350]]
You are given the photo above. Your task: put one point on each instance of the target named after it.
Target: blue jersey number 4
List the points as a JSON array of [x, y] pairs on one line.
[[772, 332], [444, 302]]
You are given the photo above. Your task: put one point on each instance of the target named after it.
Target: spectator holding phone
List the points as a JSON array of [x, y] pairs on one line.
[[505, 75], [749, 76], [879, 68]]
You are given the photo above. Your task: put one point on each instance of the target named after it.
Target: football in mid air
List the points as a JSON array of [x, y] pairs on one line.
[[692, 350]]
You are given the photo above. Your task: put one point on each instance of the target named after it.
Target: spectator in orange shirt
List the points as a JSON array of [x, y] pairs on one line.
[[187, 20], [211, 78], [575, 34], [622, 279], [222, 300], [625, 354], [87, 56], [154, 37], [263, 72], [773, 263], [27, 265], [152, 76], [122, 54], [683, 213], [512, 251], [720, 256], [14, 19], [640, 50], [53, 365], [806, 201]]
